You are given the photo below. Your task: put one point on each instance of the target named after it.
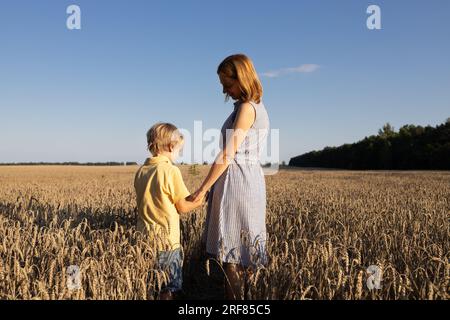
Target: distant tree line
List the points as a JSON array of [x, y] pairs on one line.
[[411, 148], [69, 164]]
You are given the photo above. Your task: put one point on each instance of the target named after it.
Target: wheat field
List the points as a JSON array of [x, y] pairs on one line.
[[325, 228]]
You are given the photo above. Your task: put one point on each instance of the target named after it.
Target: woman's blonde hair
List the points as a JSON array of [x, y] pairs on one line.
[[239, 67], [162, 137]]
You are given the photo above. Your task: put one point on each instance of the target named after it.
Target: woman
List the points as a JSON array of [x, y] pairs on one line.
[[235, 231]]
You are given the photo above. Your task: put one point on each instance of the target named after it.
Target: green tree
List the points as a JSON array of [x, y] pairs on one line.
[[387, 131]]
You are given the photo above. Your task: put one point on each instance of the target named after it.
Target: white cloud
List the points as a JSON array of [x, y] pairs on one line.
[[304, 68]]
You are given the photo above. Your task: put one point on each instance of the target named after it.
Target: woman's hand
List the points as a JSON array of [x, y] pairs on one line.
[[197, 195]]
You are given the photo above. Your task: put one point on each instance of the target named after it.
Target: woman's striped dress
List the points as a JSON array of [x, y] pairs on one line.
[[235, 230]]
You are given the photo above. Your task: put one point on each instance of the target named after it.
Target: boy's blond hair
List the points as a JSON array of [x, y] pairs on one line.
[[239, 67], [162, 137]]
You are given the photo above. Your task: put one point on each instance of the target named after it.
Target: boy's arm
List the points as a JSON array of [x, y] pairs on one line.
[[185, 206]]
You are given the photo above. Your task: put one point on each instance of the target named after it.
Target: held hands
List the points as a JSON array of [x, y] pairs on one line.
[[191, 202], [198, 196]]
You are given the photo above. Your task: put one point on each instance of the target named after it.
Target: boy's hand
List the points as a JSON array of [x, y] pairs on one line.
[[197, 201], [190, 203], [194, 198], [197, 195]]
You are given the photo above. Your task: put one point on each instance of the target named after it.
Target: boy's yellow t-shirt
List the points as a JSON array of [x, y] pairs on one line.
[[159, 185]]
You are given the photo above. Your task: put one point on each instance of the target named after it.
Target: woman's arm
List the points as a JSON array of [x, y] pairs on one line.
[[244, 120]]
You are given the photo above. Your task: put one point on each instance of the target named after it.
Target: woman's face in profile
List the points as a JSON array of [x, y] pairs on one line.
[[230, 86]]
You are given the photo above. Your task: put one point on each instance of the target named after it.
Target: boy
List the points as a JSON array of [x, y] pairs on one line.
[[161, 196]]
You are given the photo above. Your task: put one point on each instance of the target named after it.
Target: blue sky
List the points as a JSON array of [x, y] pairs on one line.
[[91, 94]]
